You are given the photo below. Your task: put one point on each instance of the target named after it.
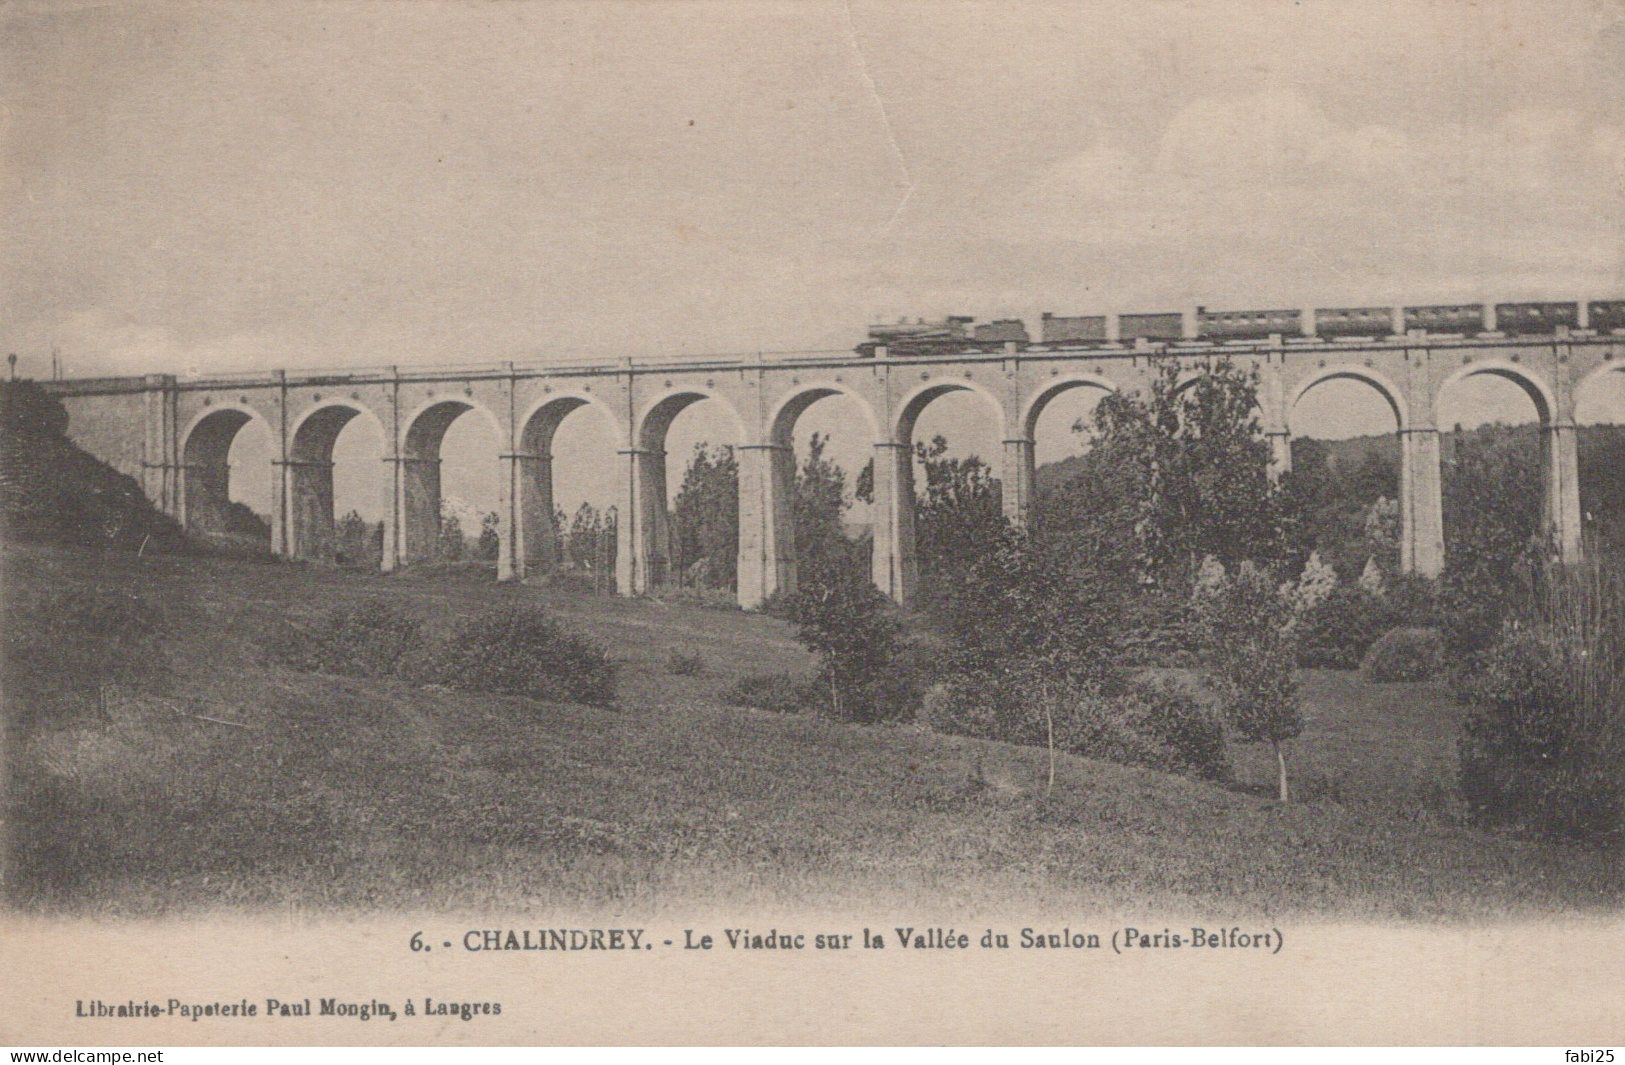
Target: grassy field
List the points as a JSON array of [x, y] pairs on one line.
[[309, 791]]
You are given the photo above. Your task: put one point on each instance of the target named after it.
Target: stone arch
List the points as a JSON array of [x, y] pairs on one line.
[[309, 476], [1557, 519], [313, 433], [1539, 393], [535, 534], [426, 426], [1020, 470], [1374, 410], [895, 569], [914, 403], [781, 421], [543, 418], [767, 477], [419, 461], [1591, 379], [1601, 506], [205, 459], [644, 537], [656, 417], [1034, 407], [1384, 387]]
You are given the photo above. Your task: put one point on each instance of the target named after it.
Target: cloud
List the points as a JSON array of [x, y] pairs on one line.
[[104, 342], [1530, 198]]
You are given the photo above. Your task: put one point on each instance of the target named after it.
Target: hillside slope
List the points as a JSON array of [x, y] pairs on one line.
[[241, 783], [51, 489]]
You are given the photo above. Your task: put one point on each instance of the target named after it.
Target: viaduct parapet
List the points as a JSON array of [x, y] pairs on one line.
[[174, 434]]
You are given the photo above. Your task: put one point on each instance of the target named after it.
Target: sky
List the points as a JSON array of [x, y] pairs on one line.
[[232, 186]]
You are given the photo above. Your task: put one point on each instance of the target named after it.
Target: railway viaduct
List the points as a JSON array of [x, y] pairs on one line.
[[174, 434]]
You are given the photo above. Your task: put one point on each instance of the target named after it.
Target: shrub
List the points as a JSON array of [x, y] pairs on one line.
[[1190, 734], [1337, 632], [1543, 741], [1149, 722], [681, 665], [519, 651], [1407, 654], [782, 693], [63, 647], [369, 640]]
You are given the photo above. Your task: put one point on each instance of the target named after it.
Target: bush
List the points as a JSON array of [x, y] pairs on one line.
[[1544, 739], [1408, 654], [519, 651], [370, 640], [63, 647], [1190, 734], [681, 665], [1152, 723], [1337, 632], [782, 693]]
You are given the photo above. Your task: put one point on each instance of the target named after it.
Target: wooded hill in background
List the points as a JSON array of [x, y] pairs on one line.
[[1350, 487]]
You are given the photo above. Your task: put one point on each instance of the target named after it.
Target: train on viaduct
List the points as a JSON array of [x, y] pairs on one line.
[[174, 433]]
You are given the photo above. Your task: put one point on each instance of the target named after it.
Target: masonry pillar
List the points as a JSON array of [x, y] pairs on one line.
[[1560, 468], [282, 512], [1280, 453], [1019, 479], [1421, 506], [767, 561], [641, 532], [420, 508], [510, 537], [535, 539], [310, 492], [205, 495], [394, 511], [893, 563], [161, 448]]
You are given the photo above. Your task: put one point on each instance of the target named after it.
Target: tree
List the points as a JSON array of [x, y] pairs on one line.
[[590, 545], [1544, 735], [354, 542], [705, 517], [1193, 460], [581, 545], [451, 546], [1493, 541], [1017, 600], [822, 547], [489, 545], [1248, 657], [960, 512]]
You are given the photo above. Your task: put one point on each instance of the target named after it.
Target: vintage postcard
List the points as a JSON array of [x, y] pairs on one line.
[[813, 523]]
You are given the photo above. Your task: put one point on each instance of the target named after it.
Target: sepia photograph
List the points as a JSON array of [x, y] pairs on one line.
[[861, 508]]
